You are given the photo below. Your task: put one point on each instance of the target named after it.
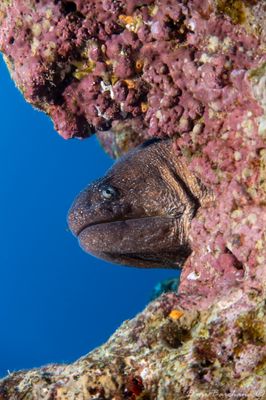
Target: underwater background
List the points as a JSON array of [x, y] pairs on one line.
[[57, 302]]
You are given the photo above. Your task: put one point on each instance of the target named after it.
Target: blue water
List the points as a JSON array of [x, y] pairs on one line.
[[57, 302]]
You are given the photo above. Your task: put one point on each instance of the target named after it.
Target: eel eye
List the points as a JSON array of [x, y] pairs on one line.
[[108, 192]]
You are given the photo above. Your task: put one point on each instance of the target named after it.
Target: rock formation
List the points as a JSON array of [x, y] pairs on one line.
[[194, 71]]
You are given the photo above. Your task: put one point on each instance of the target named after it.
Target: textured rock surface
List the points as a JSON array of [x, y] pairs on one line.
[[153, 67], [208, 341], [168, 352]]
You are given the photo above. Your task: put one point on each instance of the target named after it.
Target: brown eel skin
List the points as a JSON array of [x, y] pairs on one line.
[[139, 213]]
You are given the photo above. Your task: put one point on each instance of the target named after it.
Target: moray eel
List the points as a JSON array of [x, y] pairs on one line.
[[140, 212]]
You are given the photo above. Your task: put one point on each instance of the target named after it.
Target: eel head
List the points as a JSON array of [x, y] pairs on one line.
[[134, 215]]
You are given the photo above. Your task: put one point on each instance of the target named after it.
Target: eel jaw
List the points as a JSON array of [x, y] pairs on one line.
[[149, 242]]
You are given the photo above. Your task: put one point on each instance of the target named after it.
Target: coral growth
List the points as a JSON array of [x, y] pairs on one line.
[[165, 353], [196, 71], [157, 68]]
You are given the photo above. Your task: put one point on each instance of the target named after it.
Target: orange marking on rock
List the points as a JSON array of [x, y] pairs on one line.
[[144, 107], [139, 65], [130, 83], [176, 314], [126, 19]]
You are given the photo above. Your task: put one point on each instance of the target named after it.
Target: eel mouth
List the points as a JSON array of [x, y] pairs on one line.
[[157, 241], [121, 220], [152, 242], [131, 236]]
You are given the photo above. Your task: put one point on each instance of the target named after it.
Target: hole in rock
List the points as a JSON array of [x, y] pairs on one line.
[[237, 264], [69, 7]]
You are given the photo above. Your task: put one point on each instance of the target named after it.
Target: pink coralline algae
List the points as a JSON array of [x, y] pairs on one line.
[[195, 71], [159, 66]]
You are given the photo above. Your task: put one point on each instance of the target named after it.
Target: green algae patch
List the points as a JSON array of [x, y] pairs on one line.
[[258, 72], [83, 69], [252, 329], [262, 172], [235, 9]]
